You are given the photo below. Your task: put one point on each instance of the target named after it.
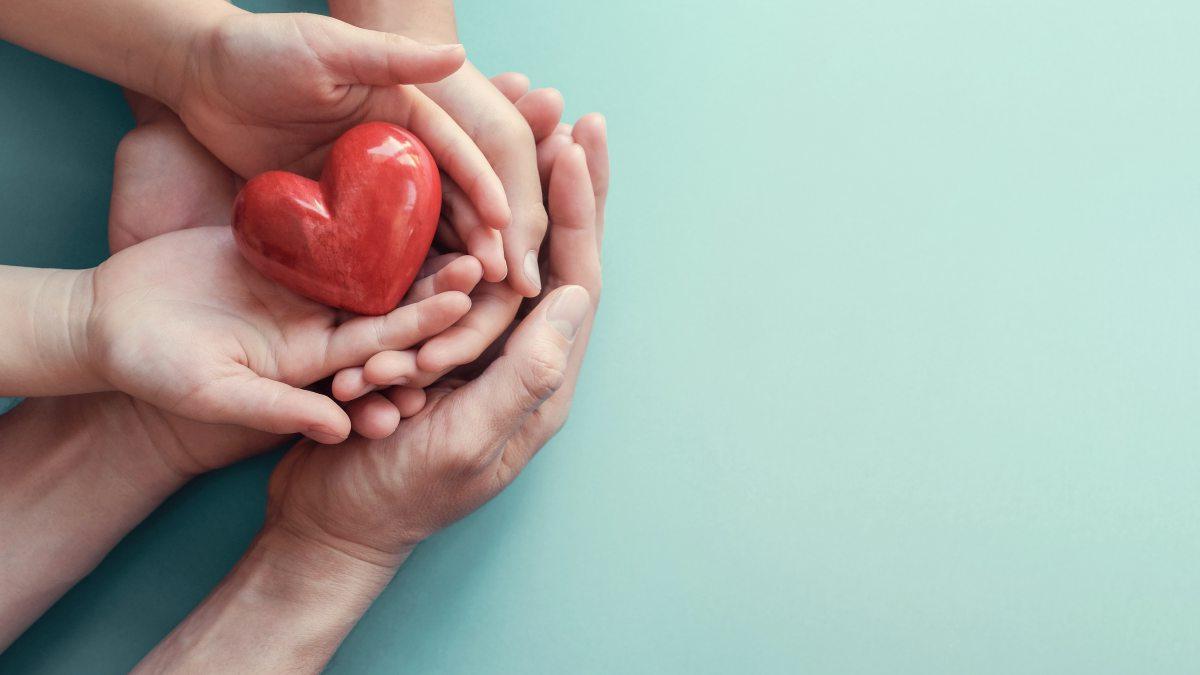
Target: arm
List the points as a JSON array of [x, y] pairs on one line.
[[140, 44], [218, 66], [285, 607], [64, 503]]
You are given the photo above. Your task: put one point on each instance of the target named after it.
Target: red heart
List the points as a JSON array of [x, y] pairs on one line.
[[356, 238]]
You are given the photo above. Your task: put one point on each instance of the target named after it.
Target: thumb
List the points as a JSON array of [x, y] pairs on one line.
[[265, 404], [361, 56], [532, 367]]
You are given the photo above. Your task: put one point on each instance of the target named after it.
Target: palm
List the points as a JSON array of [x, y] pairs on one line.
[[392, 490], [191, 287], [165, 181]]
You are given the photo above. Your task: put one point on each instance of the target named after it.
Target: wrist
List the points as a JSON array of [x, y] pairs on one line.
[[77, 331], [45, 350], [185, 47], [287, 605]]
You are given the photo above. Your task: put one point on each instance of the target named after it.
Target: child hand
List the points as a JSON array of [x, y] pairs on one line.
[[184, 323], [273, 91]]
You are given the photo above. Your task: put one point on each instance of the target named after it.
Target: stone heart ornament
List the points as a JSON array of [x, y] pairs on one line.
[[356, 238]]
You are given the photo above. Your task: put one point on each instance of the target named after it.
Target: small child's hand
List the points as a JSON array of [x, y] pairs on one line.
[[273, 91], [183, 322]]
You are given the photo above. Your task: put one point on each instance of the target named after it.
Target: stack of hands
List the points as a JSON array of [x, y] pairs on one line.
[[175, 357]]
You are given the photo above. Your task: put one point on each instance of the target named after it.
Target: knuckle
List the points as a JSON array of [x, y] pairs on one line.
[[544, 372], [538, 219]]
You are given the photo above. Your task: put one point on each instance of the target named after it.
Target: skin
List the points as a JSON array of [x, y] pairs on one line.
[[340, 520], [497, 126], [471, 337], [165, 180], [260, 92], [182, 322], [82, 471]]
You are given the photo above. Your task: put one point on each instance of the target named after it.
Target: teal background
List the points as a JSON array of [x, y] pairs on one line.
[[896, 369]]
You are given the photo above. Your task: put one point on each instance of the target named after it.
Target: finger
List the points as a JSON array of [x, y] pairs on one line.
[[348, 384], [547, 152], [572, 202], [591, 133], [408, 400], [362, 56], [512, 85], [456, 153], [542, 110], [482, 242], [574, 248], [260, 403], [492, 310], [505, 139], [390, 368], [373, 416], [456, 272], [353, 342], [532, 368]]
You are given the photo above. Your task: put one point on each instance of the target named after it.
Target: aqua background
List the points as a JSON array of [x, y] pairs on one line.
[[897, 370]]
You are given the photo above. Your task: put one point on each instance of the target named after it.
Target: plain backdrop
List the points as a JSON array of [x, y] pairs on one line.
[[896, 369]]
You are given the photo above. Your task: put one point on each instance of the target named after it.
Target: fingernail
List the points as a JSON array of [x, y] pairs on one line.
[[569, 310], [323, 434], [531, 270], [446, 48]]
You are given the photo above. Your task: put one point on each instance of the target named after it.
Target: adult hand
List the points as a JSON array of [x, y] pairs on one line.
[[375, 500]]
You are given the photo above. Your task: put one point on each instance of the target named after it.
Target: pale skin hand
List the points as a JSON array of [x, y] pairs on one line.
[[183, 322], [262, 92], [341, 520], [493, 122]]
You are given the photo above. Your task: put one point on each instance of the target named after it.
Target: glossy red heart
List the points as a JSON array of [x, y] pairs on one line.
[[356, 238]]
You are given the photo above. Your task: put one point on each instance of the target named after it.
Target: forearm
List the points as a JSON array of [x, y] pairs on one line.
[[140, 44], [75, 481], [44, 346], [425, 20], [285, 607]]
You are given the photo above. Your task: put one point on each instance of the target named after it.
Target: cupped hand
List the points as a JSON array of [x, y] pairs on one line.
[[376, 499], [182, 321], [273, 91], [501, 128]]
